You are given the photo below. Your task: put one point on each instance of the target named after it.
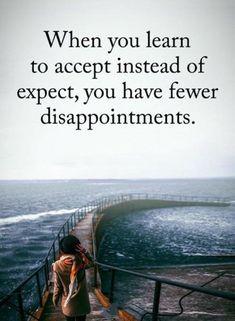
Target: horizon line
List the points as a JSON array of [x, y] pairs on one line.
[[117, 179]]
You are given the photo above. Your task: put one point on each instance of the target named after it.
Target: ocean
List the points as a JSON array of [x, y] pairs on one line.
[[33, 211]]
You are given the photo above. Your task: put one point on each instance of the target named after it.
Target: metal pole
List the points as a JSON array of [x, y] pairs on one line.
[[95, 275], [71, 219], [58, 239], [112, 286], [156, 300], [54, 255], [39, 289], [20, 304], [46, 273]]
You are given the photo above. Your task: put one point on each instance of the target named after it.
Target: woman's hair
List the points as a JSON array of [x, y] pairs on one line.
[[68, 244]]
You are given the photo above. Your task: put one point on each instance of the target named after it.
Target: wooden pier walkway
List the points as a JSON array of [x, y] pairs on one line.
[[98, 312]]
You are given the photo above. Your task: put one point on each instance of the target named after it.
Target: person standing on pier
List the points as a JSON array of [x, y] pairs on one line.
[[70, 280]]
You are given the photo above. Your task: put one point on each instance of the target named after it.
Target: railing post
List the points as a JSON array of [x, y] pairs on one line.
[[20, 305], [95, 275], [39, 289], [112, 286], [58, 239], [46, 273], [54, 254], [156, 300]]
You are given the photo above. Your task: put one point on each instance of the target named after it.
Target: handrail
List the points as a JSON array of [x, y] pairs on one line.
[[222, 294], [42, 282], [179, 266]]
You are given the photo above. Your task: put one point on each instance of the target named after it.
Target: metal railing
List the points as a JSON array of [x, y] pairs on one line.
[[159, 281], [23, 299], [20, 303]]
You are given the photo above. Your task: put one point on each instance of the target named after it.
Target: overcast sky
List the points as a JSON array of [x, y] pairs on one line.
[[30, 150]]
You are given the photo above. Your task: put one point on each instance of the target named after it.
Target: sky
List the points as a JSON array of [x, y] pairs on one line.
[[31, 150]]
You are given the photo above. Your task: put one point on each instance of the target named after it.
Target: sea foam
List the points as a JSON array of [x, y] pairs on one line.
[[33, 217]]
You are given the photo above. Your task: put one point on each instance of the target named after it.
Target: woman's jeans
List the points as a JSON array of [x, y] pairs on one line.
[[80, 318]]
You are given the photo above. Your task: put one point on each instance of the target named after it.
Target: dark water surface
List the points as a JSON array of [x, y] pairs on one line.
[[168, 236]]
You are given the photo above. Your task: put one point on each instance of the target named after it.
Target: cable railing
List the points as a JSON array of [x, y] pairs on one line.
[[21, 302]]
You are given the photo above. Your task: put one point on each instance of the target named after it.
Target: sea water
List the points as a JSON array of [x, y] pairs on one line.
[[33, 211]]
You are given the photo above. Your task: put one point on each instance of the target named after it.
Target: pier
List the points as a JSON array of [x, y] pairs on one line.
[[168, 285]]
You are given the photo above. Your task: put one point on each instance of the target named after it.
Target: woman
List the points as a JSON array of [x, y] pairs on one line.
[[70, 279]]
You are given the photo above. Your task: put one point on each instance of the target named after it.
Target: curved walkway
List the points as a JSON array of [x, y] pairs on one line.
[[196, 306]]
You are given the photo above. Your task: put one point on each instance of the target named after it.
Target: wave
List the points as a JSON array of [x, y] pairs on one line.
[[35, 216]]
